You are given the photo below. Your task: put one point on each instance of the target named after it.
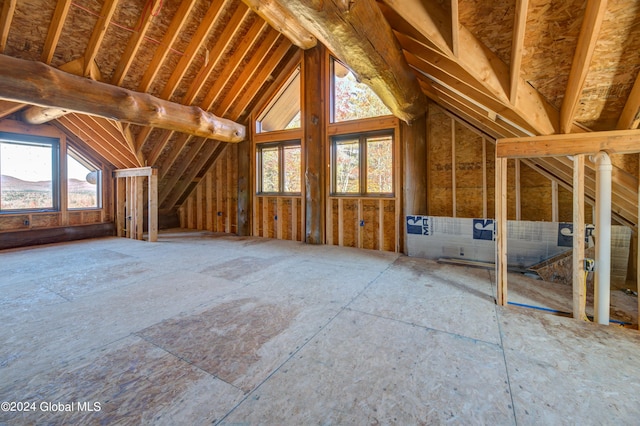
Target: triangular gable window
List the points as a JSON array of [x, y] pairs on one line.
[[283, 112], [352, 100]]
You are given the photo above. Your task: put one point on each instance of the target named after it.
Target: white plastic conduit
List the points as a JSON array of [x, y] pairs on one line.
[[602, 282]]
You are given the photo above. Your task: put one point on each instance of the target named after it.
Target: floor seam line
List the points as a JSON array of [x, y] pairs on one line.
[[295, 352], [506, 366]]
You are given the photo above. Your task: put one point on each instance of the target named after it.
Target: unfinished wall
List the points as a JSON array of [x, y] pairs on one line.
[[461, 178], [213, 204]]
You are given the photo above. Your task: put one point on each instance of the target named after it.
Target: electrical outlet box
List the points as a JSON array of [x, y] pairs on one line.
[[589, 265]]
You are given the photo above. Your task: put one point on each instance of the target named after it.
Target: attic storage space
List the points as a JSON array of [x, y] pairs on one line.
[[322, 202]]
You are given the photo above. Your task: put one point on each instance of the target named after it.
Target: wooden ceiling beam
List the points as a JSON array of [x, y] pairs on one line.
[[109, 129], [517, 47], [39, 84], [197, 40], [455, 32], [613, 142], [265, 69], [8, 9], [282, 21], [234, 61], [250, 69], [591, 23], [486, 66], [630, 117], [55, 29], [358, 34], [185, 164], [134, 43], [224, 43], [178, 145], [158, 147], [97, 35], [178, 21]]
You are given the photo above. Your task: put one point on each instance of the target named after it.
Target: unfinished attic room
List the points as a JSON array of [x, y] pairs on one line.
[[297, 212]]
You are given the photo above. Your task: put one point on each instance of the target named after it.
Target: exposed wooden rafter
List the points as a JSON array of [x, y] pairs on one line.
[[630, 117], [39, 84], [594, 14], [99, 30], [55, 29], [358, 34], [481, 62], [8, 8], [517, 44]]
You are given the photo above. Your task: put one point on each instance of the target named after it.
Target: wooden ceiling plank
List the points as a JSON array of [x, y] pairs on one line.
[[249, 71], [488, 69], [264, 71], [8, 9], [186, 163], [74, 134], [142, 137], [99, 30], [107, 128], [178, 145], [159, 146], [630, 117], [95, 132], [589, 32], [177, 190], [40, 84], [87, 135], [613, 142], [282, 21], [134, 43], [517, 48], [224, 42], [178, 21], [197, 40], [359, 35], [55, 29], [234, 61], [8, 108]]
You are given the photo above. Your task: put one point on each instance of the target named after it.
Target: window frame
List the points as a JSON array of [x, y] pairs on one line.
[[362, 138], [84, 161], [43, 141], [281, 146], [296, 74]]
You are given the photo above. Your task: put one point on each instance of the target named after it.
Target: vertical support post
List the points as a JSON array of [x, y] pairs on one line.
[[314, 123], [139, 207], [453, 168], [501, 230], [638, 258], [518, 193], [414, 179], [579, 290], [555, 217], [121, 199], [484, 178], [153, 206]]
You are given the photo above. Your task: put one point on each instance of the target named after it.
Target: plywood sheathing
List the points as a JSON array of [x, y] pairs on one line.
[[551, 36], [28, 44], [614, 67], [440, 162], [491, 22]]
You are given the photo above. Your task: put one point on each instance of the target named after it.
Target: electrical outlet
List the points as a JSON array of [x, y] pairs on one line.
[[26, 222], [589, 265]]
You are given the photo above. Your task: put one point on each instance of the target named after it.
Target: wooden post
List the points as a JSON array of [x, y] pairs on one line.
[[501, 230], [121, 198], [555, 217], [453, 168], [414, 184], [518, 194], [579, 290], [153, 206], [314, 123], [139, 207]]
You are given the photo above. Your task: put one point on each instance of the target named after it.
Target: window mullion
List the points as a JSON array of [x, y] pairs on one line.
[[363, 165]]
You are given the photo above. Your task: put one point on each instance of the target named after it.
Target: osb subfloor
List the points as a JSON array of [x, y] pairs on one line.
[[203, 328]]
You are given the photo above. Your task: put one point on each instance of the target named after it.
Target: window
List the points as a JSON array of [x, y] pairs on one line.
[[29, 172], [362, 164], [84, 181], [283, 112], [351, 100], [279, 168]]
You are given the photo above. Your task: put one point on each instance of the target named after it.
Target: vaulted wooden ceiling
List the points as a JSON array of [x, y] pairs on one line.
[[510, 68]]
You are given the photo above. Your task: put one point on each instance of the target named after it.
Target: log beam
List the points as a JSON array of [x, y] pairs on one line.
[[358, 34], [39, 84], [283, 22]]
